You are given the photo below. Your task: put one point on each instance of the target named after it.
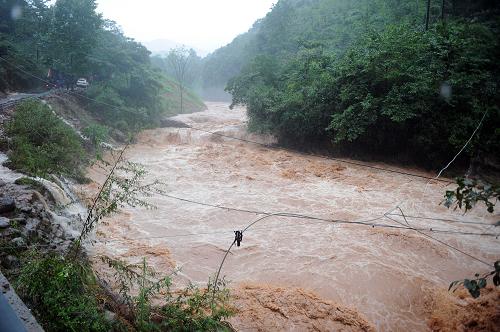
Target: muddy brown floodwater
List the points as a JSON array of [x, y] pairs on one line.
[[294, 274]]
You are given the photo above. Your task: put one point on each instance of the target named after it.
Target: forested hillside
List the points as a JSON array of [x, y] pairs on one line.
[[44, 43], [367, 78]]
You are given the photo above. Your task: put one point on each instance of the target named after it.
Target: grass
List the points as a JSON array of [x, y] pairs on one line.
[[191, 102], [42, 144]]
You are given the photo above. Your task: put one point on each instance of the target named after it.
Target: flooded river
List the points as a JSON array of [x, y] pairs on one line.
[[370, 276]]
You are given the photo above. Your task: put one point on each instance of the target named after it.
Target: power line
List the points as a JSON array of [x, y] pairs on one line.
[[455, 157], [465, 145], [440, 241], [453, 221], [239, 237], [368, 222], [267, 215]]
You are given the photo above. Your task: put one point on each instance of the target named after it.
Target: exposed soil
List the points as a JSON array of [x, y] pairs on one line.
[[460, 312]]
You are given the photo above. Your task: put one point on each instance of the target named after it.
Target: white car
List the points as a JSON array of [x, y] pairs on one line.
[[82, 83]]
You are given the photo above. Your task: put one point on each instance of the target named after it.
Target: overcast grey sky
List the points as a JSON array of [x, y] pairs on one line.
[[204, 24]]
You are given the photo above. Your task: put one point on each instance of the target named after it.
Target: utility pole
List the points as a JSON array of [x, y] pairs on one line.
[[442, 10], [427, 16]]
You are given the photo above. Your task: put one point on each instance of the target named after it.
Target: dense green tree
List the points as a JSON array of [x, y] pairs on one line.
[[393, 92], [73, 35], [71, 39], [367, 78]]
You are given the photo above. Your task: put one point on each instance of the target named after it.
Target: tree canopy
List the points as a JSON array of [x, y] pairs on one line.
[[69, 38], [365, 78]]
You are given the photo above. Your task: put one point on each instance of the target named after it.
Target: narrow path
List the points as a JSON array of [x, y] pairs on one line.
[[13, 99]]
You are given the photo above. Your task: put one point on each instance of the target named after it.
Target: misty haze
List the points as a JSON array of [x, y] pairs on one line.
[[236, 165]]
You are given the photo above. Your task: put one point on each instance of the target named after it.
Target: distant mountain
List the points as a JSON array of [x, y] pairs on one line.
[[163, 46]]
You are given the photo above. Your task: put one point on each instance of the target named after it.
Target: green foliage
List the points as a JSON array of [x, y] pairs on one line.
[[402, 89], [336, 24], [63, 294], [290, 23], [97, 134], [72, 35], [73, 40], [42, 143], [474, 286], [127, 90], [471, 191], [192, 103], [124, 186], [392, 92], [190, 309], [19, 42]]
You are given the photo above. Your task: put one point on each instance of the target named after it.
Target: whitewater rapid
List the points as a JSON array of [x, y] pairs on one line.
[[384, 274]]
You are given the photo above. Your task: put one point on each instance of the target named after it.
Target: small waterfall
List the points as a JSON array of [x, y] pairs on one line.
[[71, 211], [6, 174], [58, 193]]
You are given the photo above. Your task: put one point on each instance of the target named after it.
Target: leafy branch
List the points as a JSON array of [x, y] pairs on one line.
[[124, 186], [183, 310], [475, 285], [471, 191]]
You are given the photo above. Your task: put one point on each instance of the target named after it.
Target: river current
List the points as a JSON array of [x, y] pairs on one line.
[[386, 276]]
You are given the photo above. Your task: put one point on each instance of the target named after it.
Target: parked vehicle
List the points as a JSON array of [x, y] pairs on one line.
[[82, 83]]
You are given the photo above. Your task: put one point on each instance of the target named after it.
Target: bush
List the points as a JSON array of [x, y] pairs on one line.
[[62, 293], [42, 143], [190, 309], [97, 134], [394, 92]]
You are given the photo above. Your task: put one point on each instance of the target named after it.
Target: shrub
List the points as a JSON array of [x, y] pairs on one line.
[[62, 293], [42, 143], [190, 309], [97, 134]]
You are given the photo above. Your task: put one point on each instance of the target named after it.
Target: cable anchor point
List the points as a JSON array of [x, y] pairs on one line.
[[238, 237]]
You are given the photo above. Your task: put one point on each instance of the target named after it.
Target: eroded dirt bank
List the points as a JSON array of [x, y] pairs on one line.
[[388, 277]]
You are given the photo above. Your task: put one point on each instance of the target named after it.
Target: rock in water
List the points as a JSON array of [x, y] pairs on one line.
[[7, 204]]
